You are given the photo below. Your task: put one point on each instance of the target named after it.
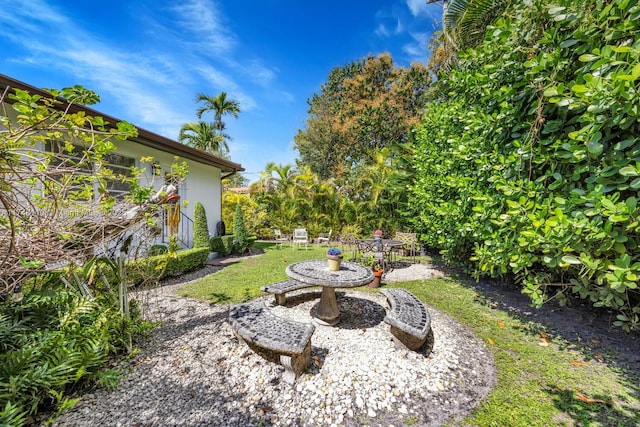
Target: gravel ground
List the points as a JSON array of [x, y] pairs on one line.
[[193, 371]]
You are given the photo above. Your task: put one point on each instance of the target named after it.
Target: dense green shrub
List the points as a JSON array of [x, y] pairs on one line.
[[200, 227], [227, 243], [216, 245], [52, 341], [527, 159], [167, 265], [240, 234]]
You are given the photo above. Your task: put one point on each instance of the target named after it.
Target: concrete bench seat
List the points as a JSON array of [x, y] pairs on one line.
[[408, 316], [275, 338], [280, 289]]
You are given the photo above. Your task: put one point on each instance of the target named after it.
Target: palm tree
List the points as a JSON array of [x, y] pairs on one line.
[[463, 25], [465, 21], [220, 105], [203, 136]]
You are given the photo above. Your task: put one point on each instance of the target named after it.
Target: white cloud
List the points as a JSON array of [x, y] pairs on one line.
[[418, 8], [382, 31], [417, 48], [203, 19]]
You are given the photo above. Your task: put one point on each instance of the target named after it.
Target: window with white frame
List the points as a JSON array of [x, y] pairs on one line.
[[120, 166]]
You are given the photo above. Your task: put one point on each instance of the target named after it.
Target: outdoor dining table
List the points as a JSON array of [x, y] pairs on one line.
[[316, 272]]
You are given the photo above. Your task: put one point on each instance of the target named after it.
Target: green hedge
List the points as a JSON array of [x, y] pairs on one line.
[[167, 265], [216, 245], [527, 162], [227, 242]]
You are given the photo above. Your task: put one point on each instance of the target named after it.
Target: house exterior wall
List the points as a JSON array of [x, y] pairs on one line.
[[202, 183], [205, 171]]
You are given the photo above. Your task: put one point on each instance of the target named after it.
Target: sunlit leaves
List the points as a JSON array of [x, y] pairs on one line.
[[552, 203]]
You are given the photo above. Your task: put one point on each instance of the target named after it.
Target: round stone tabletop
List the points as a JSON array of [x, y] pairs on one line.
[[316, 272]]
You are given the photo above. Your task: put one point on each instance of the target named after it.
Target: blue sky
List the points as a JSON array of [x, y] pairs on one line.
[[147, 59]]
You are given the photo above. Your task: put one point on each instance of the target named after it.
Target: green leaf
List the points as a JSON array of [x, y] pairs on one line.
[[568, 43], [551, 91], [631, 203], [628, 171], [587, 57], [595, 148], [636, 71], [621, 49], [579, 88], [570, 259], [624, 144]]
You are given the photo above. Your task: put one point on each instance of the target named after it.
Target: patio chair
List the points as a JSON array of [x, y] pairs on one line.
[[376, 252], [300, 236], [280, 237], [410, 247], [349, 245], [324, 238]]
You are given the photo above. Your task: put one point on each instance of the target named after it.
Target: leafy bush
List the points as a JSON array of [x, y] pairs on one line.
[[200, 227], [166, 265], [240, 234], [527, 159], [227, 242], [52, 341], [216, 245]]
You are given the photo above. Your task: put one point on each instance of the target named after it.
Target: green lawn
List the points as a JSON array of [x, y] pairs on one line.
[[542, 380]]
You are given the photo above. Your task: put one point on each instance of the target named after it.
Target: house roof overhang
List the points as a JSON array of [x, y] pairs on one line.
[[144, 137]]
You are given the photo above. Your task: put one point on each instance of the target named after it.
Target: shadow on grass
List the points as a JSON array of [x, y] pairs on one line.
[[577, 327], [219, 298], [594, 410]]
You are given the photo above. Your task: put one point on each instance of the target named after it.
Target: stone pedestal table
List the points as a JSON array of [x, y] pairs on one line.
[[317, 273]]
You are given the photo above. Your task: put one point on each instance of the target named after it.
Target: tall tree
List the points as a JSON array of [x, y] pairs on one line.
[[203, 136], [365, 106], [220, 105], [464, 23]]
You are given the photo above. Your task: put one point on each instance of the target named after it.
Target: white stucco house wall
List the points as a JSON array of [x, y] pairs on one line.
[[202, 184]]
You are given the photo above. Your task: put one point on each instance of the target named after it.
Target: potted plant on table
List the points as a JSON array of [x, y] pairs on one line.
[[334, 258]]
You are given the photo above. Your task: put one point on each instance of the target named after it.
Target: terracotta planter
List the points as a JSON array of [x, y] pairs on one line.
[[333, 261], [377, 276]]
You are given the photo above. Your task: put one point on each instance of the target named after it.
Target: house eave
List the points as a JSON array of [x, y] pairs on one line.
[[145, 137]]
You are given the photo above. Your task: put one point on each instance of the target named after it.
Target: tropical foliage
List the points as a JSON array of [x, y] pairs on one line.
[[52, 340], [60, 315], [203, 136], [210, 136], [526, 161], [220, 105]]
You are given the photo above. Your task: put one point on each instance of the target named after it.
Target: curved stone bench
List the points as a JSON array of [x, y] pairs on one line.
[[408, 316], [280, 289], [275, 338]]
